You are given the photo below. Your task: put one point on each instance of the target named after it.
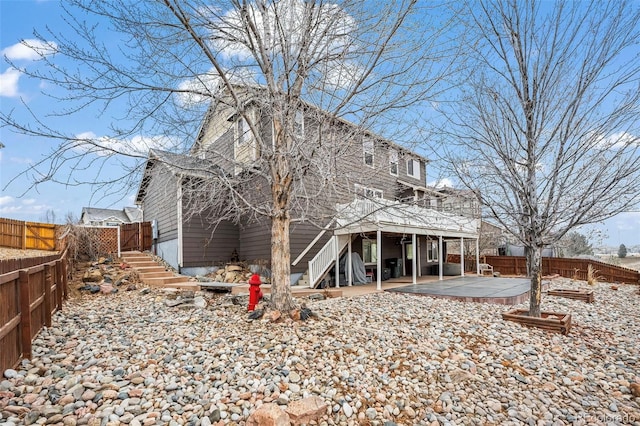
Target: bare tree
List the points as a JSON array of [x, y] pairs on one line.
[[166, 61], [546, 130]]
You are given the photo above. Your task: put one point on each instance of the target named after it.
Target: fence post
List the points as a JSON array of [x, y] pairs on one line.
[[25, 313], [65, 284], [58, 270], [47, 294]]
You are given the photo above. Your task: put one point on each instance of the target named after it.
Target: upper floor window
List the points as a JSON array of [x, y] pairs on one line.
[[372, 193], [245, 148], [393, 162], [369, 192], [243, 132], [413, 168], [367, 148], [298, 125]]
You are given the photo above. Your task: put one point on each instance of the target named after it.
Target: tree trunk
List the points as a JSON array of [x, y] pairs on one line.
[[280, 264], [534, 267]]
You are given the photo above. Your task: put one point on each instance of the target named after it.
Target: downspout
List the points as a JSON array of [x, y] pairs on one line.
[[179, 219]]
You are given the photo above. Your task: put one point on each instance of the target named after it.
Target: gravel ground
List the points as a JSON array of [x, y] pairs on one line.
[[379, 359], [10, 253]]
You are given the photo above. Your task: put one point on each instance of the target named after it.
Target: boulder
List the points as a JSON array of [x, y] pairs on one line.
[[92, 276], [269, 415], [306, 410]]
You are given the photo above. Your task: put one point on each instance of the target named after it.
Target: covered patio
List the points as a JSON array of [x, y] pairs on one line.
[[378, 217]]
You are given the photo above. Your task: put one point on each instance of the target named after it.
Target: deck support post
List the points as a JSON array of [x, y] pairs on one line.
[[349, 264], [478, 256], [440, 257], [379, 259], [337, 249], [414, 260], [462, 256]]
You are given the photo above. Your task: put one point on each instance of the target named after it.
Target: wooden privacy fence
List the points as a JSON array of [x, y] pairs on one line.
[[565, 267], [104, 240], [28, 235], [90, 240], [28, 299]]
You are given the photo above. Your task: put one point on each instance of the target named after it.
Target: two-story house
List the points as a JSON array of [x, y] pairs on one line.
[[359, 194]]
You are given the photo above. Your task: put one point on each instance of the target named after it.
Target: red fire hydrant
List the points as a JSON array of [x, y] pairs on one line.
[[255, 294]]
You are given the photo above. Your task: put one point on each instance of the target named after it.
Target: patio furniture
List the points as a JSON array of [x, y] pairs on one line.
[[486, 269]]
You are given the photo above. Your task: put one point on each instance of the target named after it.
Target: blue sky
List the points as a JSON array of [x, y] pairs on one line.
[[18, 200]]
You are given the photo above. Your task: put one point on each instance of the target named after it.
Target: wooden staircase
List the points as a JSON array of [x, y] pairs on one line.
[[154, 274]]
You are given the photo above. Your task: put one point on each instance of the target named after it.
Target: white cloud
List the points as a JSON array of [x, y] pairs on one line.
[[330, 44], [29, 49], [9, 83], [12, 206], [89, 142], [21, 160], [442, 183], [5, 199], [199, 89], [617, 140]]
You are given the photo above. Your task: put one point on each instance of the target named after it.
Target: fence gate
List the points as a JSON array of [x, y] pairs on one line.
[[41, 236], [135, 236], [129, 236]]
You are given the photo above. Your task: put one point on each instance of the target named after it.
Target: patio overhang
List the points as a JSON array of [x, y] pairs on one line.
[[362, 216]]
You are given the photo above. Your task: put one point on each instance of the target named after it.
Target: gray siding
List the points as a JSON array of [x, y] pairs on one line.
[[205, 246], [160, 202], [255, 242], [301, 235]]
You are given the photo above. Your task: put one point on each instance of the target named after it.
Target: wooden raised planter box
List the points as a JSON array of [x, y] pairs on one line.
[[584, 295], [551, 321]]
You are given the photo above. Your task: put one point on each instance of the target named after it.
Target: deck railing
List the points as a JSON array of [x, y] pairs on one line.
[[325, 258]]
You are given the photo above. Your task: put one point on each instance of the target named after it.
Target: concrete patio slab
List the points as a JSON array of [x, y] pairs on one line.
[[504, 291]]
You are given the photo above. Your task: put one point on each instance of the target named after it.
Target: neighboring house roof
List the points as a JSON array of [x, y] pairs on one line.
[[127, 215]]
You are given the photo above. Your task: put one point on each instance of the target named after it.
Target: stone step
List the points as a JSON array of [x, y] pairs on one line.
[[190, 285], [166, 280], [136, 260], [142, 264], [148, 269], [163, 274]]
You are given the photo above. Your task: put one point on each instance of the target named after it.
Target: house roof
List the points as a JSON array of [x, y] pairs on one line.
[[178, 164], [94, 214], [307, 106]]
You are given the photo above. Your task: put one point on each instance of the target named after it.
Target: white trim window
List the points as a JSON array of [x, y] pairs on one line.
[[369, 192], [244, 149], [369, 251], [368, 150], [432, 251], [243, 131], [298, 125], [413, 168], [393, 162]]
